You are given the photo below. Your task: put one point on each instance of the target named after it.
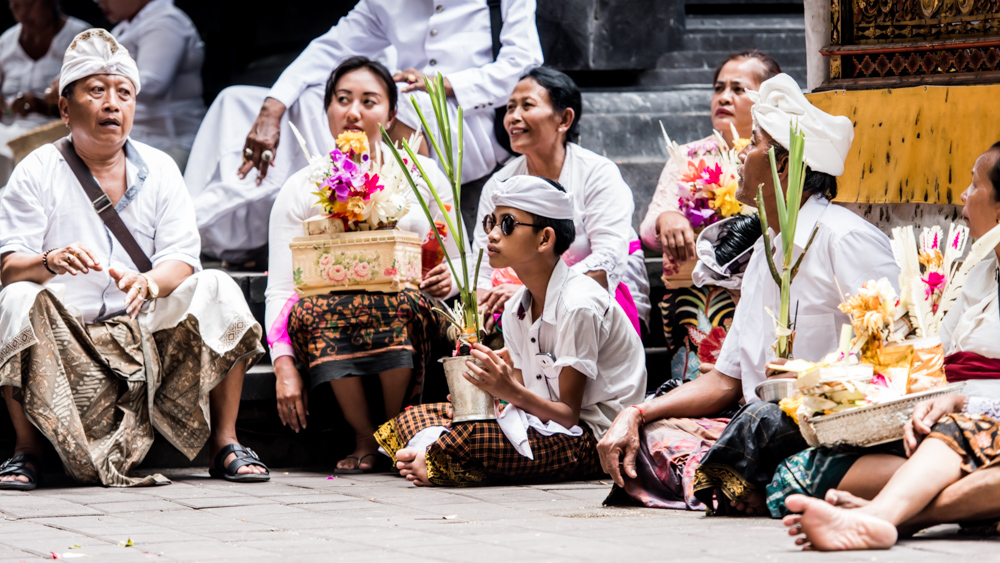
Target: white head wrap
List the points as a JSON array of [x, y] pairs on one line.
[[534, 195], [828, 137], [96, 51], [708, 270]]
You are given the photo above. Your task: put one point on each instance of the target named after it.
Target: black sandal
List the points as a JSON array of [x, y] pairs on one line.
[[244, 456], [375, 468], [18, 465]]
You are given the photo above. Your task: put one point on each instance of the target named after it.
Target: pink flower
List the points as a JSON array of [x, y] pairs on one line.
[[361, 271], [336, 273], [934, 281], [390, 272], [325, 261], [711, 176]]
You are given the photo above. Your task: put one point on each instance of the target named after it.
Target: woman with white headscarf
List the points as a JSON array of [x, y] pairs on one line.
[[108, 326]]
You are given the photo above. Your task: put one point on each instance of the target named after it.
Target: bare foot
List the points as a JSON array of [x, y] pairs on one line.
[[412, 464], [754, 505], [828, 528], [844, 499]]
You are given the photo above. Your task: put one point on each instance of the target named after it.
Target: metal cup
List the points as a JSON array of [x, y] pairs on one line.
[[468, 401]]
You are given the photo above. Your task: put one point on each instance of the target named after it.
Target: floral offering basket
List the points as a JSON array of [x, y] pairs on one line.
[[332, 260]]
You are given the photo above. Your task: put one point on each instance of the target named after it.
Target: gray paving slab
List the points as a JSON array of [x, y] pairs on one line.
[[304, 516]]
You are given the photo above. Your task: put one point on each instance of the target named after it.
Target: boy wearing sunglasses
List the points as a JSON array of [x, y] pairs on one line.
[[572, 362]]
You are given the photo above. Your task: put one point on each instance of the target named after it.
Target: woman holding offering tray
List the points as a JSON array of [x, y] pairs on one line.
[[969, 333], [341, 336]]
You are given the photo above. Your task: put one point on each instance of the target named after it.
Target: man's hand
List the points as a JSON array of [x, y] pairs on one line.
[[73, 259], [492, 300], [27, 103], [620, 445], [925, 415], [135, 288], [438, 281], [293, 401], [264, 136], [772, 373], [676, 237], [497, 378], [415, 80]]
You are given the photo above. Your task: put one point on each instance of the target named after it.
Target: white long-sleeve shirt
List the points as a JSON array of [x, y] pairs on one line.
[[296, 203], [21, 73], [602, 214], [169, 53], [448, 36], [847, 250]]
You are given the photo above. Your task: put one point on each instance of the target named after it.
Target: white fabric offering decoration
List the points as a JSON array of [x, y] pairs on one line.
[[828, 137], [96, 51], [534, 195]]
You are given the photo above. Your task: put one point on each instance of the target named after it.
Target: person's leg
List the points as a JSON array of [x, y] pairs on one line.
[[224, 403], [870, 474], [931, 469], [28, 439], [350, 394], [972, 498], [394, 385]]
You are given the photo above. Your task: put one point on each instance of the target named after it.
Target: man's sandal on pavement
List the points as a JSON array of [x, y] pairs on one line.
[[244, 456], [19, 465]]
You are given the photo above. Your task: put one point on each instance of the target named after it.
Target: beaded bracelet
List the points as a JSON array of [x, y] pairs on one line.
[[642, 415], [45, 262]]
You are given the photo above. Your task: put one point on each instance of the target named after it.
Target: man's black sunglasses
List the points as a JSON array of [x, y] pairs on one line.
[[507, 224]]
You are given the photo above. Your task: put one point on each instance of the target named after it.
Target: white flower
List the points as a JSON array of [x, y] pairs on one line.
[[319, 168]]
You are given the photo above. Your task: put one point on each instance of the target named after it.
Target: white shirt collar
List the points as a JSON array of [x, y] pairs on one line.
[[552, 294]]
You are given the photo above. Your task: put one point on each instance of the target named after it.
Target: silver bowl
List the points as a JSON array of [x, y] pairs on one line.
[[774, 390]]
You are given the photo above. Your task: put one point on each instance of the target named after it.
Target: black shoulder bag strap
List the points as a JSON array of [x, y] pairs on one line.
[[102, 205], [496, 26]]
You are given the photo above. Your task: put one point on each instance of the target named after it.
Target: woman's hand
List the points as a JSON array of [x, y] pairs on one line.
[[73, 259], [619, 446], [925, 415], [135, 288], [27, 103], [438, 281], [676, 236], [497, 378], [415, 80], [293, 401], [492, 300], [264, 136]]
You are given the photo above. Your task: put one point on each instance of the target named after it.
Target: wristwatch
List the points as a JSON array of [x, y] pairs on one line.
[[152, 290]]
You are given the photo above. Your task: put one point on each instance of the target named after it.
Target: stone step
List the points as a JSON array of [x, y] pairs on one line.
[[790, 58], [735, 23], [684, 78], [738, 42]]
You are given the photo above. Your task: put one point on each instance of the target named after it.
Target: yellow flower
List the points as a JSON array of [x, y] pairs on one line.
[[739, 144], [355, 141], [931, 260], [347, 209], [725, 200]]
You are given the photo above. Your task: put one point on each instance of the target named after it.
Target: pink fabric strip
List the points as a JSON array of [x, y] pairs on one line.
[[634, 245], [279, 330], [624, 298]]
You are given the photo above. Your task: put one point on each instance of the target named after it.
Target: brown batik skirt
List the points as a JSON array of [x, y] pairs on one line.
[[349, 334], [97, 391], [478, 453], [975, 437]]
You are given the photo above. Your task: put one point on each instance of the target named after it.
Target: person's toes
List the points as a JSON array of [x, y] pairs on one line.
[[796, 503], [406, 455]]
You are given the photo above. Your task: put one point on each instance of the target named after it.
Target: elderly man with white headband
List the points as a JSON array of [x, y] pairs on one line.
[[735, 470], [108, 328], [571, 362]]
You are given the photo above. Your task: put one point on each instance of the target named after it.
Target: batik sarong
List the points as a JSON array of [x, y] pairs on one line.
[[358, 333], [477, 452], [670, 451], [743, 460], [97, 391], [695, 323]]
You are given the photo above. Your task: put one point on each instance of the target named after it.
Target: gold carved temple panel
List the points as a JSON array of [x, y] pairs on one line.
[[883, 43]]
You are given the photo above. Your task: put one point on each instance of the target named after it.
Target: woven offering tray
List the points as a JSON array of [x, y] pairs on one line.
[[874, 424]]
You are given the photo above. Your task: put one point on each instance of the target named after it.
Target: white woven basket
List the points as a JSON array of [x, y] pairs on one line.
[[874, 424]]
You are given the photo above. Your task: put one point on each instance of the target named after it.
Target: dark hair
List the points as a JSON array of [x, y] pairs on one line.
[[994, 173], [819, 183], [67, 91], [563, 93], [356, 63], [740, 234], [771, 66], [564, 228]]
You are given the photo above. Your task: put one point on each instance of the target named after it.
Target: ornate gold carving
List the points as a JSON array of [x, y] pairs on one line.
[[892, 21]]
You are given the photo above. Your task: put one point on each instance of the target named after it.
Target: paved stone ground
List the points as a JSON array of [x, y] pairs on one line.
[[304, 515]]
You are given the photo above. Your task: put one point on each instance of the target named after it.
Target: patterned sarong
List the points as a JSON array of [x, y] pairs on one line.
[[358, 333], [695, 323], [97, 391], [478, 453]]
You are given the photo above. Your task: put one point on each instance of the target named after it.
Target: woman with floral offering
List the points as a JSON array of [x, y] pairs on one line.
[[543, 120], [670, 229], [342, 336], [972, 354]]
